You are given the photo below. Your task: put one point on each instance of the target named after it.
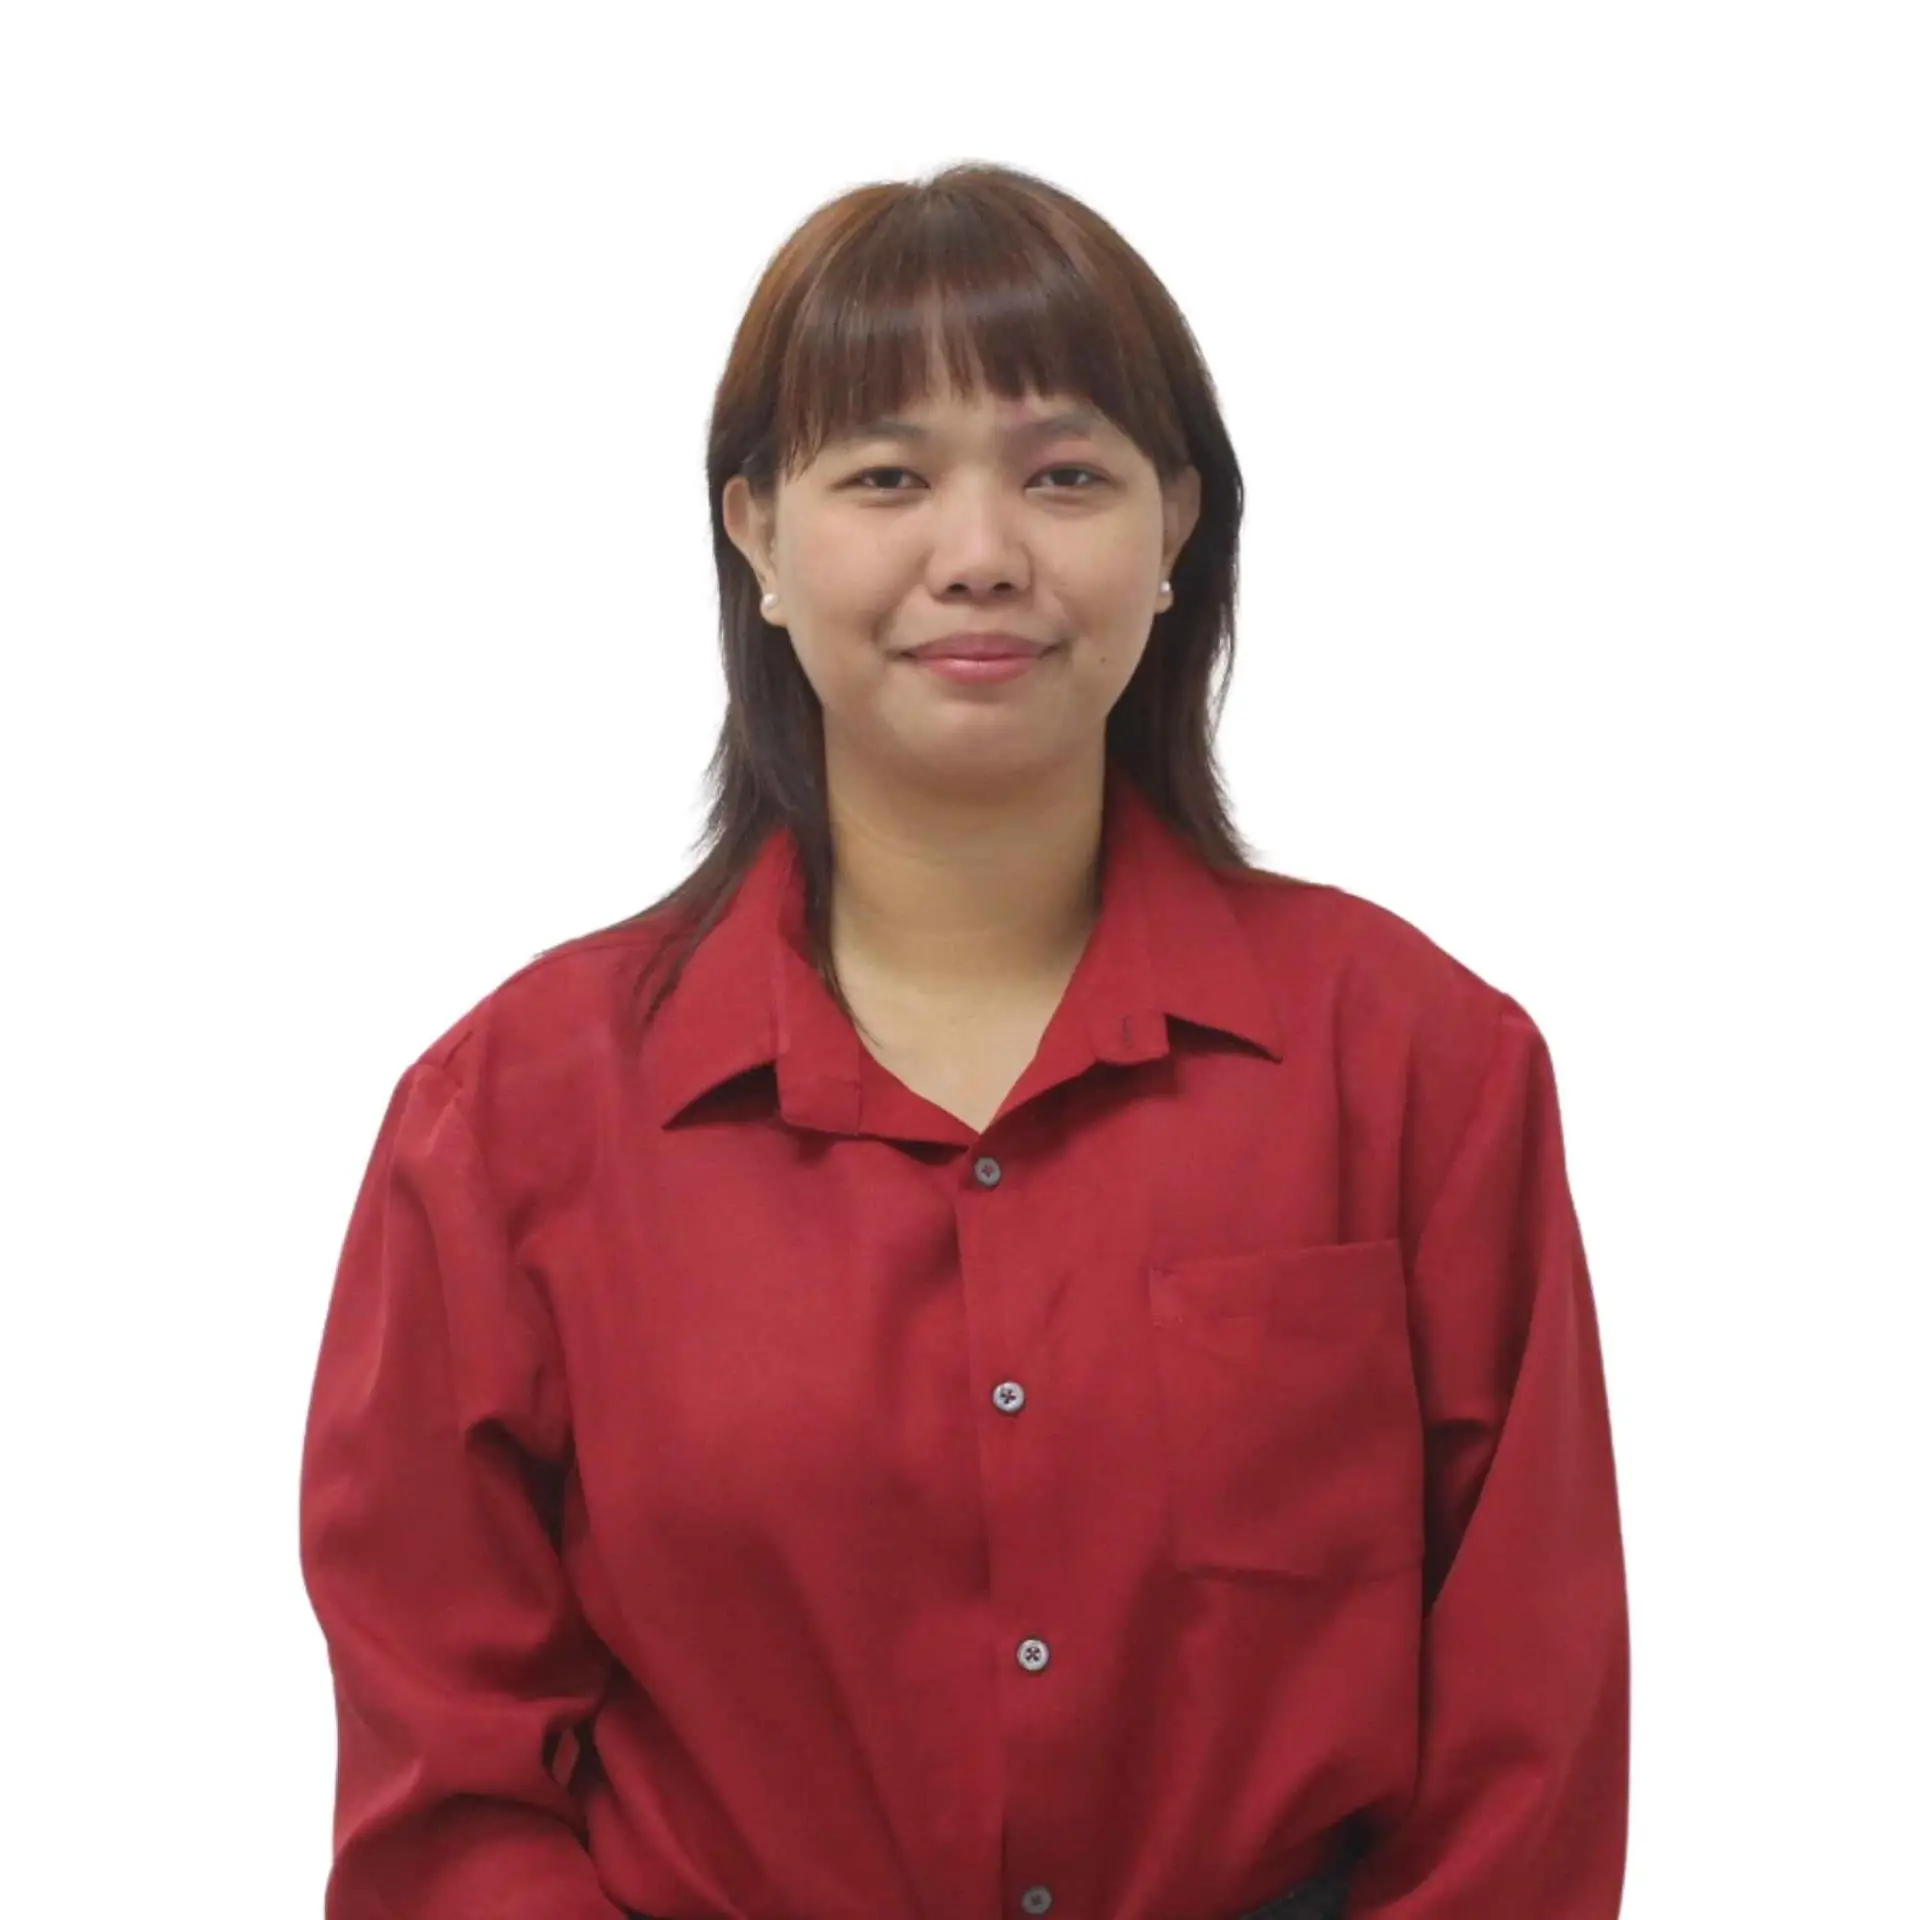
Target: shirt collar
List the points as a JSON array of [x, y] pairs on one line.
[[1167, 943]]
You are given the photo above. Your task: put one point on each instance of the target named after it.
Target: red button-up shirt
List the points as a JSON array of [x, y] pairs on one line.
[[734, 1487]]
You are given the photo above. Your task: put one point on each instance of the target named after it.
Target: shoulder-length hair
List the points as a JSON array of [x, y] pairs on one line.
[[995, 277]]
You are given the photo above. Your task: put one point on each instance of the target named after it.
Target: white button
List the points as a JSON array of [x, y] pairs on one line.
[[1037, 1899], [1009, 1396], [987, 1171], [1034, 1654]]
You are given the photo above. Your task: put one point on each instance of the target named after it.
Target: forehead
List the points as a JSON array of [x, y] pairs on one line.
[[1033, 417]]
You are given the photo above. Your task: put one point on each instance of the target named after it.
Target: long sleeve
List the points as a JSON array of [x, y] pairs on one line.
[[1520, 1806], [429, 1504]]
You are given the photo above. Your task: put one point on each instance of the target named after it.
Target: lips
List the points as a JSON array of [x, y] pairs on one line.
[[978, 646]]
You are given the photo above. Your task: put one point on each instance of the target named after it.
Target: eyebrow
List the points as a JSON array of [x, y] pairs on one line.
[[1043, 427]]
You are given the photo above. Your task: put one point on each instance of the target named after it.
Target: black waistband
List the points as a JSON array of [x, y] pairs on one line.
[[1322, 1896]]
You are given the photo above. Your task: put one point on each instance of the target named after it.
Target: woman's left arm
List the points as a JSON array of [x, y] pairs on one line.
[[1520, 1808]]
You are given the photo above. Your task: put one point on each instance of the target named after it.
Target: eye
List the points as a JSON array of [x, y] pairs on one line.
[[1092, 477], [860, 479]]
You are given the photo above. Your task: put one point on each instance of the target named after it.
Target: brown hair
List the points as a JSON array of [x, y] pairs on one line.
[[1007, 279]]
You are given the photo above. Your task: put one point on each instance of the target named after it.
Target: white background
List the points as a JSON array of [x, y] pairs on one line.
[[360, 642]]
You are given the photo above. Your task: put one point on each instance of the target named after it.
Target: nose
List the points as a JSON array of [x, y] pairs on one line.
[[978, 551], [978, 583]]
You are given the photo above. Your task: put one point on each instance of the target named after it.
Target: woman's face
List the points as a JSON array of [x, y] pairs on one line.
[[964, 516]]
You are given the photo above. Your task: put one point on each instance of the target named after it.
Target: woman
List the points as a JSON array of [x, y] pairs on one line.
[[986, 1355]]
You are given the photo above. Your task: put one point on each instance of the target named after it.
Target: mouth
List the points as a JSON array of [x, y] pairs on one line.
[[980, 646], [980, 668]]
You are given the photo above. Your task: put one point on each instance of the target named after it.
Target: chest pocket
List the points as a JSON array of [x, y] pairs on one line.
[[1290, 1411]]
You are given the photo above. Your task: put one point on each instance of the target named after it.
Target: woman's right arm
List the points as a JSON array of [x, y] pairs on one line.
[[429, 1496]]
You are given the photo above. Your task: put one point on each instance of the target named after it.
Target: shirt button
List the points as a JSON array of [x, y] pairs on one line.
[[1009, 1396], [1034, 1654], [1037, 1899], [987, 1171]]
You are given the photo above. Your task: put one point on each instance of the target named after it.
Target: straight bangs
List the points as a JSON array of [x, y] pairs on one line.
[[978, 295]]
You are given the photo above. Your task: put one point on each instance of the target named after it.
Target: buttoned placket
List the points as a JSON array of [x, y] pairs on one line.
[[1033, 1653]]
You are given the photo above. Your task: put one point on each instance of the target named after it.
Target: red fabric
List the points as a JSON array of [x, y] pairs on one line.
[[676, 1536]]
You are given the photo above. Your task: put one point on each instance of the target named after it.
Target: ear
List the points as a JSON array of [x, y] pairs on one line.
[[1181, 497], [749, 524]]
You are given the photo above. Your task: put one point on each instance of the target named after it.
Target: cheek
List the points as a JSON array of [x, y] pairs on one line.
[[1115, 599], [842, 572], [1115, 576], [1110, 661], [844, 664]]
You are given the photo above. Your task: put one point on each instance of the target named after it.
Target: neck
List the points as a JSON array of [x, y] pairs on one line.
[[955, 895]]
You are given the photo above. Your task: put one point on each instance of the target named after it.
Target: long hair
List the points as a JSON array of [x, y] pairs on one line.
[[999, 278]]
